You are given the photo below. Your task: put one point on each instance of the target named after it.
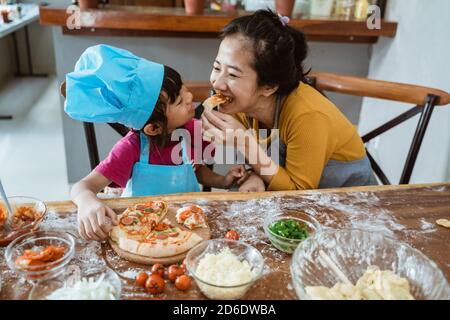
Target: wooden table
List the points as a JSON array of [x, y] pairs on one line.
[[407, 213]]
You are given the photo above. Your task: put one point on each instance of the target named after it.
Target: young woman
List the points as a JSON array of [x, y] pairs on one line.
[[259, 66]]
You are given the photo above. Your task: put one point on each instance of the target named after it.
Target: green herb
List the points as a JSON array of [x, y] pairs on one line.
[[139, 214], [289, 228], [149, 210], [136, 220]]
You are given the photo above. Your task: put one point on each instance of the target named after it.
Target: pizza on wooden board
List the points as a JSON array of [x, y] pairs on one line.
[[149, 234]]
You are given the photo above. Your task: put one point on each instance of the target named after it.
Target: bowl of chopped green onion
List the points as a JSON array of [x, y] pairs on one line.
[[287, 231]]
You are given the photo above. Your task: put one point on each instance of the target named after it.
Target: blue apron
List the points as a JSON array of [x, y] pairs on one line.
[[149, 179]]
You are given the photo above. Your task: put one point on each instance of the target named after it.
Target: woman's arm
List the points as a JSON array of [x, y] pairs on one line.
[[225, 129], [308, 140]]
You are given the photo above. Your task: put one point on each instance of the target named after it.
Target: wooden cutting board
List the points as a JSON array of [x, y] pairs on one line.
[[204, 233]]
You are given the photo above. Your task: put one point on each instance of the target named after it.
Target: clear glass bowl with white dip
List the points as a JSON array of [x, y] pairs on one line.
[[224, 269]]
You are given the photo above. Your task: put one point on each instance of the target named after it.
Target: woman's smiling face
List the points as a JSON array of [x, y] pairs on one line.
[[234, 75]]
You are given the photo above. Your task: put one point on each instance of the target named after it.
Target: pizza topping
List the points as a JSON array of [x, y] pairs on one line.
[[184, 215], [173, 234], [161, 227], [155, 284], [161, 236], [183, 282], [127, 220]]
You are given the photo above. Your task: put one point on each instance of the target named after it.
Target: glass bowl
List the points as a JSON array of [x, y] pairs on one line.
[[39, 240], [285, 244], [354, 251], [221, 280], [45, 289], [40, 210]]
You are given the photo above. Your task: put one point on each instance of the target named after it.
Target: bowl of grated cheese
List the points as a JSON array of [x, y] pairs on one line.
[[224, 269]]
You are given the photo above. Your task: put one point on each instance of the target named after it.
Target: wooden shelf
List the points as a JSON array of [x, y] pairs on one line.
[[148, 21]]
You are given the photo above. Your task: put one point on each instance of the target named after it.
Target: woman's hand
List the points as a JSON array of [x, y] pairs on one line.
[[93, 223], [236, 174], [222, 128], [254, 183]]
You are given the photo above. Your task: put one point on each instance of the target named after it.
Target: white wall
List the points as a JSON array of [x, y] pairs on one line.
[[419, 54], [41, 44]]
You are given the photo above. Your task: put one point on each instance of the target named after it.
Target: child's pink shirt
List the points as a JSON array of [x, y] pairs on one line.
[[118, 166]]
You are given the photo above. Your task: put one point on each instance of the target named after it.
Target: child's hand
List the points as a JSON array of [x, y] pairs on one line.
[[254, 183], [93, 221], [236, 173]]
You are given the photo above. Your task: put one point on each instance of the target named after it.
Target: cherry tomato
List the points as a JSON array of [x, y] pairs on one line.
[[158, 269], [155, 284], [174, 272], [183, 282], [141, 278], [232, 235], [183, 265]]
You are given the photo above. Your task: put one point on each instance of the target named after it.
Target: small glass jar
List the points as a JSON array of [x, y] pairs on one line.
[[344, 9], [321, 8]]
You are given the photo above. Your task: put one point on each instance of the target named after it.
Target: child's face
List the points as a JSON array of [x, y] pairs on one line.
[[180, 111]]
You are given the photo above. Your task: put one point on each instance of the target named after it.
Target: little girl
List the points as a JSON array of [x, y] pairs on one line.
[[113, 85]]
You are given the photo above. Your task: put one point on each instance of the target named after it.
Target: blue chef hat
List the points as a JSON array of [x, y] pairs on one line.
[[113, 85]]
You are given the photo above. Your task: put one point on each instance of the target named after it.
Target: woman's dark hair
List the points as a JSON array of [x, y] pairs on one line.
[[170, 90], [279, 50]]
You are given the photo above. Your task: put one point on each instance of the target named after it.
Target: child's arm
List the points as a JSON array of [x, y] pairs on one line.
[[92, 222], [209, 178]]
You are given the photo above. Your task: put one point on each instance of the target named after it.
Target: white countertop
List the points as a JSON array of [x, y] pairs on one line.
[[30, 13]]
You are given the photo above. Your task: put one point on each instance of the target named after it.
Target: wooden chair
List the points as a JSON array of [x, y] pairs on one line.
[[424, 99]]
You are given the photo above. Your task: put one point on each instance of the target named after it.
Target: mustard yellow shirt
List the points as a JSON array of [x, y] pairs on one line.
[[314, 131]]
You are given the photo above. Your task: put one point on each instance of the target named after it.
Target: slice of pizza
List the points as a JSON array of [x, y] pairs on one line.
[[139, 220], [216, 100], [191, 217], [165, 240]]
